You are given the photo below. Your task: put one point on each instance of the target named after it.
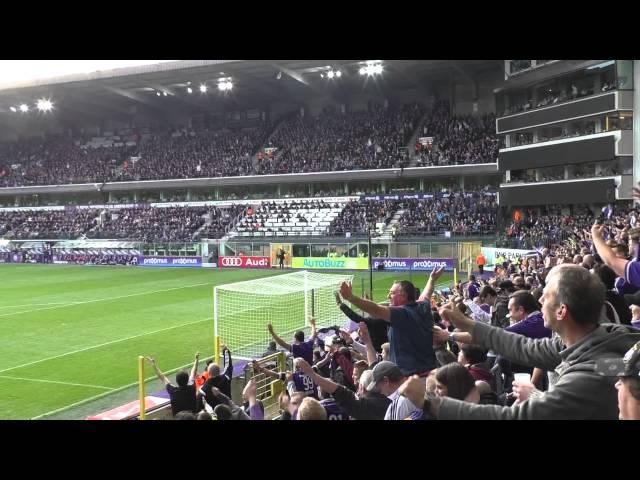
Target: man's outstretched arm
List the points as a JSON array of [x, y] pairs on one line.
[[160, 375], [372, 308], [431, 284], [277, 339]]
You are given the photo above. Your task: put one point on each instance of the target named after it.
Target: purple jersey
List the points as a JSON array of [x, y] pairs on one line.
[[304, 384], [474, 290], [304, 350], [334, 412]]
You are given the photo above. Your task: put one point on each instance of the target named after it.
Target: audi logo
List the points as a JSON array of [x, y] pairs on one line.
[[231, 262]]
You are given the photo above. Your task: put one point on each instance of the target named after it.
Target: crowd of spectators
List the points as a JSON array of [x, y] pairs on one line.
[[336, 141], [142, 224], [146, 224], [535, 228], [461, 213], [560, 94], [58, 160], [551, 336], [357, 216], [190, 154], [457, 139], [39, 224], [333, 141], [221, 220]]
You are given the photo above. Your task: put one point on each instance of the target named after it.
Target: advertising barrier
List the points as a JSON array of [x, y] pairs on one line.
[[169, 261], [330, 263], [243, 262], [402, 264], [511, 254]]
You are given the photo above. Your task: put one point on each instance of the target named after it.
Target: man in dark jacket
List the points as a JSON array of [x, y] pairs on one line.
[[372, 406], [378, 328], [220, 381]]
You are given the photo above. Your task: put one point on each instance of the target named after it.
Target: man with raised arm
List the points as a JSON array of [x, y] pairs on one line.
[[411, 326], [183, 397], [299, 347]]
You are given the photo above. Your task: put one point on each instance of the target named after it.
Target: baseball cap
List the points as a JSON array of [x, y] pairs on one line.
[[384, 369], [628, 366]]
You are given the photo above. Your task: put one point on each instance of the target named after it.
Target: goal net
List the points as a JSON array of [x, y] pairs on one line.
[[242, 310]]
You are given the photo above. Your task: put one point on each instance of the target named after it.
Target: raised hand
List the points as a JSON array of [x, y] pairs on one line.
[[346, 290], [436, 273], [597, 230], [364, 333], [456, 318], [414, 389], [302, 365]]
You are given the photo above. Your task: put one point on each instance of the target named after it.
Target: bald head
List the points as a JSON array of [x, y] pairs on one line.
[[588, 260]]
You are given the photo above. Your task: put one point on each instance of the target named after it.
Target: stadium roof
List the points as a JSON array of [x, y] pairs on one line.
[[255, 83]]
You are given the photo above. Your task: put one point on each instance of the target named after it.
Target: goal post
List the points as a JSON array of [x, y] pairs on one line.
[[242, 310]]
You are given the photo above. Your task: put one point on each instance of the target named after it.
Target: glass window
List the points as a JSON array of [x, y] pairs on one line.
[[624, 70]]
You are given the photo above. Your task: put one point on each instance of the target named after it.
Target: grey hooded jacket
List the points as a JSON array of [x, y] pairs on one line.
[[579, 392]]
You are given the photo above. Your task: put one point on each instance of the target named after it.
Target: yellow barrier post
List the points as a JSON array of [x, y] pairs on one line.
[[455, 276], [143, 413], [216, 350]]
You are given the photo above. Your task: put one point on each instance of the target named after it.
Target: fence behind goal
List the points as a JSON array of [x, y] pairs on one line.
[[242, 310]]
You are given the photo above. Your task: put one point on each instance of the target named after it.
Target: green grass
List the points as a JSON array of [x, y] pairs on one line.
[[73, 333]]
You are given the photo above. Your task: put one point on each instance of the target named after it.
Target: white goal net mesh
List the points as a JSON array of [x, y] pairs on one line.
[[243, 309]]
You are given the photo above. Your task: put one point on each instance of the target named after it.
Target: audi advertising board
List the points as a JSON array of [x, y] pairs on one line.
[[244, 262], [145, 261], [401, 264]]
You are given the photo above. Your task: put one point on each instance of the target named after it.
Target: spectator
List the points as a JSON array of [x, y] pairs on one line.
[[455, 381], [474, 357], [629, 269], [572, 302], [184, 415], [296, 382], [526, 317], [410, 333], [203, 415], [627, 369], [183, 397], [220, 381], [300, 347], [377, 327], [311, 409], [225, 408], [253, 407], [272, 349], [616, 310], [372, 406]]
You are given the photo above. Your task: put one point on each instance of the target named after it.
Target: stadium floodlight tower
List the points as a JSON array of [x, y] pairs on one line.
[[242, 310]]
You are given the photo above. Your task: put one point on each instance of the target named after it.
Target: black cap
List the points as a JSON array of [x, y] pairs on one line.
[[628, 366]]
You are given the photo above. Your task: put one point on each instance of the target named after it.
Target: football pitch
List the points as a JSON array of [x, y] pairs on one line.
[[71, 334]]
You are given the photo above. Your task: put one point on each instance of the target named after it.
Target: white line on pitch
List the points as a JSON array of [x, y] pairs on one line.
[[36, 304], [56, 382], [101, 395], [103, 299], [104, 344]]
